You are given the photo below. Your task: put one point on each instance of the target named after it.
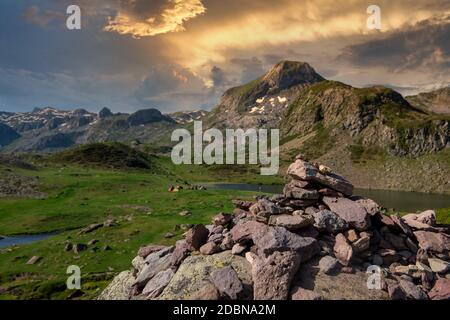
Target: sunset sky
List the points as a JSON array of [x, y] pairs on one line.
[[183, 54]]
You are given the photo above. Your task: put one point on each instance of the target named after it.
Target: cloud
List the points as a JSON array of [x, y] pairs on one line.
[[35, 16], [424, 45], [250, 68], [173, 87], [142, 18], [218, 77]]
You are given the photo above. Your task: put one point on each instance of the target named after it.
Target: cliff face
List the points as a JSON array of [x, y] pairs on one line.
[[437, 101]]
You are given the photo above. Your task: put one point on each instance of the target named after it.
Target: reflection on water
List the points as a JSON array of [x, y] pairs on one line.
[[399, 200], [23, 239]]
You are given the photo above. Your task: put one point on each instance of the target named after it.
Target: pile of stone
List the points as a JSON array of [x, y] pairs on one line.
[[314, 241]]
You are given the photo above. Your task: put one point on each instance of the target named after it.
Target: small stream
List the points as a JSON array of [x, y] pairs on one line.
[[399, 200]]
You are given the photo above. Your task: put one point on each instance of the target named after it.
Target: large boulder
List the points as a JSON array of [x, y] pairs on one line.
[[243, 232], [279, 239], [119, 288], [352, 212], [228, 283], [157, 284], [196, 270], [272, 275], [303, 170], [427, 217], [433, 241], [154, 263]]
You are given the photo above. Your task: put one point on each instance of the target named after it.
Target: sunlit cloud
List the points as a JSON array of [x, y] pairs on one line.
[[170, 17]]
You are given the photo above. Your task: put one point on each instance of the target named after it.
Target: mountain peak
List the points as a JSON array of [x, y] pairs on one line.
[[286, 74]]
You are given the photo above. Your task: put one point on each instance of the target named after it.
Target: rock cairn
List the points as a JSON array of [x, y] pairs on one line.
[[260, 250]]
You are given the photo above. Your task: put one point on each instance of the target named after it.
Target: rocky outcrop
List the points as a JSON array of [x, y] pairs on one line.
[[333, 246]]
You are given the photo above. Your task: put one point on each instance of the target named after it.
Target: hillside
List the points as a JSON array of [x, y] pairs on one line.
[[104, 155]]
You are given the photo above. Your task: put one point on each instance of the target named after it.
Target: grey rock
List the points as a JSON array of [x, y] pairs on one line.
[[238, 249], [438, 265], [181, 251], [330, 222], [328, 264], [157, 284], [227, 282], [209, 248], [412, 291], [279, 239], [195, 270], [119, 288], [154, 263]]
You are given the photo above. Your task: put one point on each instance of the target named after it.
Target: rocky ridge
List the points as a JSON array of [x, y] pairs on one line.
[[314, 241]]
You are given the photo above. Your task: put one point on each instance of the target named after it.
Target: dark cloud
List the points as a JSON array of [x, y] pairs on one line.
[[171, 87], [425, 45], [251, 68], [218, 77]]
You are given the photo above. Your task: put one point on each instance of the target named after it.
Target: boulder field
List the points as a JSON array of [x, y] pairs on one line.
[[315, 241]]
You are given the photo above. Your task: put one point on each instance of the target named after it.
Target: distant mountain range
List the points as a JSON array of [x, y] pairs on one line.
[[47, 129]]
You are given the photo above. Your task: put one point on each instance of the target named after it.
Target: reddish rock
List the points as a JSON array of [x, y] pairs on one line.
[[343, 250], [441, 290], [352, 212], [222, 219], [371, 206], [181, 252], [242, 204], [207, 291], [303, 170], [209, 248], [272, 276], [197, 236], [243, 232], [427, 217], [431, 241], [298, 293], [395, 292], [279, 239], [351, 235]]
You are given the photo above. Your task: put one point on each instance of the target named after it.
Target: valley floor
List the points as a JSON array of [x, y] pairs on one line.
[[138, 200]]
